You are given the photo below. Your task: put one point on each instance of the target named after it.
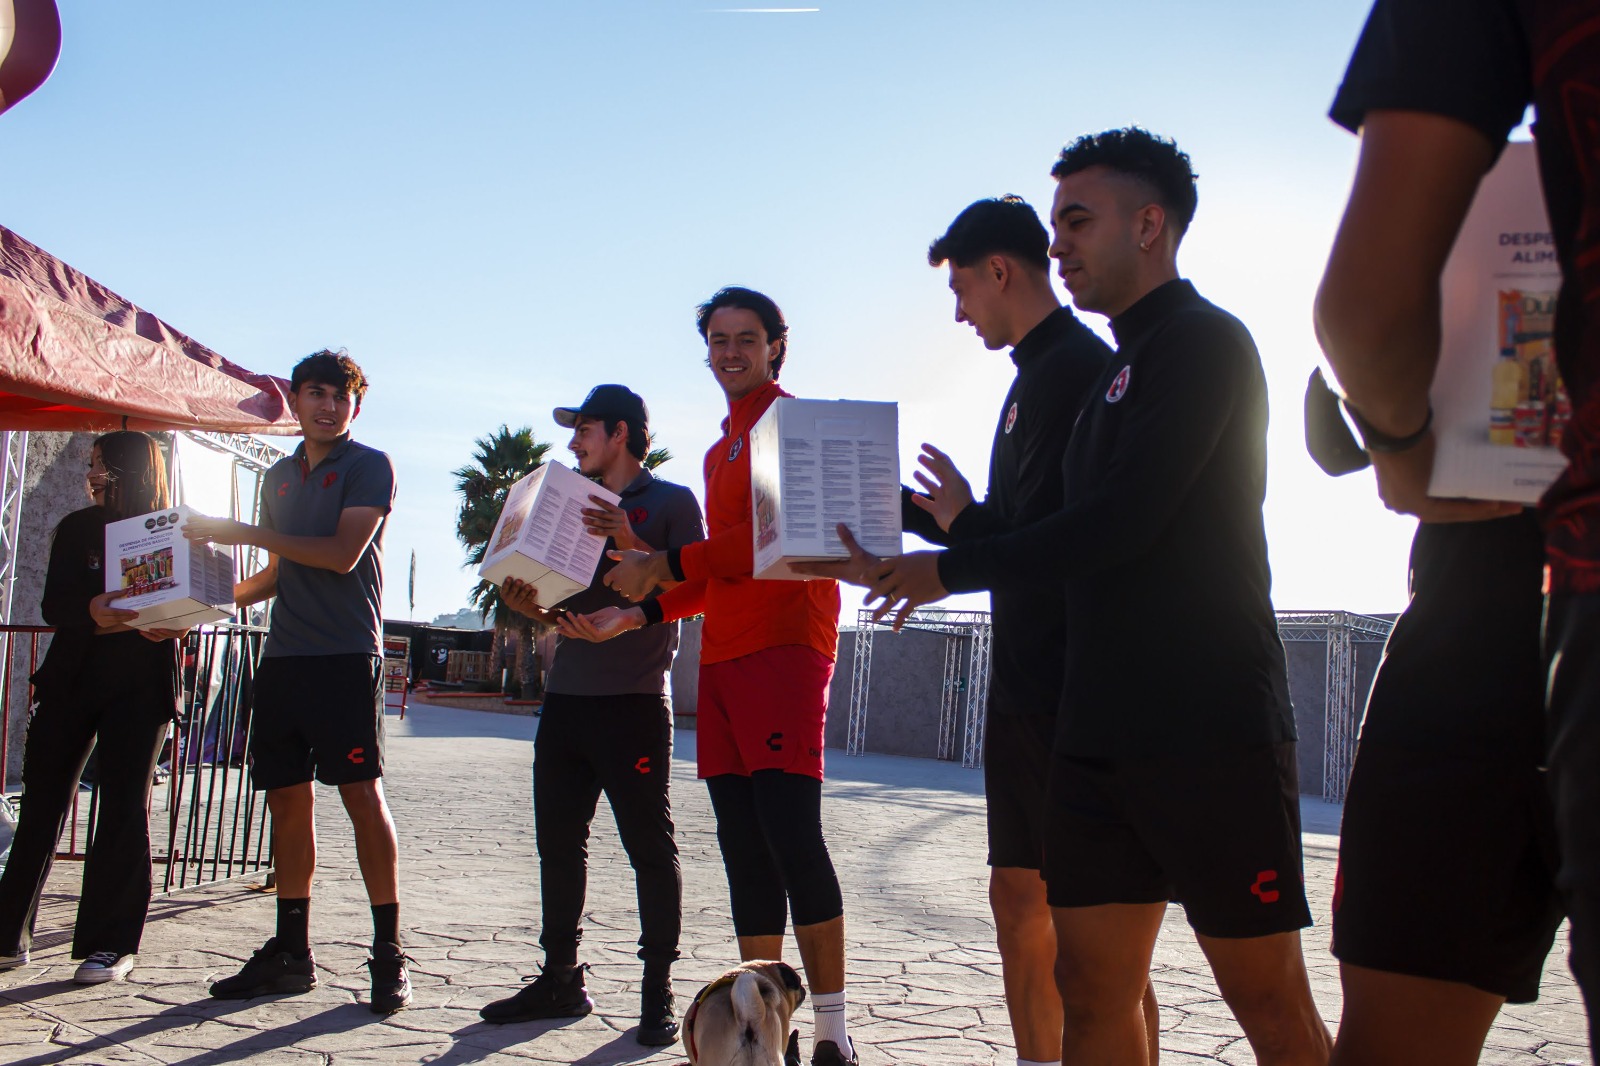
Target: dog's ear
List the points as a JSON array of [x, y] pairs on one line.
[[791, 981]]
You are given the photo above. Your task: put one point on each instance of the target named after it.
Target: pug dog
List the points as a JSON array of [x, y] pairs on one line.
[[740, 1018]]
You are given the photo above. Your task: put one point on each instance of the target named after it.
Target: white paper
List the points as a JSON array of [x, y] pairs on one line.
[[815, 464], [541, 539], [175, 583], [1499, 406]]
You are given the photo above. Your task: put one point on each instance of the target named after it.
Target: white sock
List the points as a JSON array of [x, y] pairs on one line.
[[1031, 1062], [827, 1011]]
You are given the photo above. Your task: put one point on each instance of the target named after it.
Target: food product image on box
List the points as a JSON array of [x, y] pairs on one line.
[[540, 537], [171, 582], [1528, 405], [1499, 407], [815, 464]]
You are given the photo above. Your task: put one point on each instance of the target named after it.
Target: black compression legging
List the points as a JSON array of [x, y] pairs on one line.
[[769, 826]]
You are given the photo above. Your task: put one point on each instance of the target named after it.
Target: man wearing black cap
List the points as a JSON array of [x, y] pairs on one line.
[[606, 726]]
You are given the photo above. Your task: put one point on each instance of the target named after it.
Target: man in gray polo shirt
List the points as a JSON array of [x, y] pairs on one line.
[[318, 695], [606, 726]]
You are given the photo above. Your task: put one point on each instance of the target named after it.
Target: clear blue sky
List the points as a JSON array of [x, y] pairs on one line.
[[494, 206]]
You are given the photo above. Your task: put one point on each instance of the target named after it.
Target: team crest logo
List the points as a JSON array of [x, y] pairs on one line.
[[283, 489], [1011, 418], [638, 515], [1119, 385], [733, 452], [329, 478]]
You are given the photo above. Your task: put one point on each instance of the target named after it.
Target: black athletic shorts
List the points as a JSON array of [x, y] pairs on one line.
[[1218, 831], [317, 715], [1447, 869], [1016, 771]]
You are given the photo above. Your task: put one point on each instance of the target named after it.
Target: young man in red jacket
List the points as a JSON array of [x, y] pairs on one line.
[[766, 658]]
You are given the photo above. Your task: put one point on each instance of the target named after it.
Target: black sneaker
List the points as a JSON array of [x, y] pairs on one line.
[[658, 1022], [391, 985], [557, 992], [791, 1057], [828, 1054], [269, 972]]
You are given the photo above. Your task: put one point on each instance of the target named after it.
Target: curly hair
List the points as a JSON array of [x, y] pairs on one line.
[[1155, 162], [332, 368]]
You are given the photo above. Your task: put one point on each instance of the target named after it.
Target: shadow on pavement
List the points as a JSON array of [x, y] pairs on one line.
[[476, 1042], [188, 1015]]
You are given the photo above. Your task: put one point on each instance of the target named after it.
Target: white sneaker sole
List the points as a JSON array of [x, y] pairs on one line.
[[99, 975]]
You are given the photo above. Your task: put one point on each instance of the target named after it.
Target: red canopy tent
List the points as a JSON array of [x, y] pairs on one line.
[[76, 356]]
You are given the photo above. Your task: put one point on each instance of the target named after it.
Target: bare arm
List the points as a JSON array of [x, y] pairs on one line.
[[1377, 311], [339, 552], [262, 585]]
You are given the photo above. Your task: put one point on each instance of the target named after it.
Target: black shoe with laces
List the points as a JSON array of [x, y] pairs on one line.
[[557, 992], [391, 985], [828, 1054], [270, 972], [658, 1022]]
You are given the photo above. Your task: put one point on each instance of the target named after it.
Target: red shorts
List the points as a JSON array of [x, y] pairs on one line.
[[763, 711]]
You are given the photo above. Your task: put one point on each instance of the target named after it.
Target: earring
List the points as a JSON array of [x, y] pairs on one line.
[[1144, 246]]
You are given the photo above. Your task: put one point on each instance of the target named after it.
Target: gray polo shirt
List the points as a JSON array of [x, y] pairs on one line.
[[319, 612], [663, 515]]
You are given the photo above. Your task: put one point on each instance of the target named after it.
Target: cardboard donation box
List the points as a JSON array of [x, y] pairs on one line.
[[540, 537], [172, 583], [1500, 408], [814, 464]]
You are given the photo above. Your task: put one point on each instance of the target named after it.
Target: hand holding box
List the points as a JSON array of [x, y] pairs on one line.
[[815, 464], [541, 539], [173, 583]]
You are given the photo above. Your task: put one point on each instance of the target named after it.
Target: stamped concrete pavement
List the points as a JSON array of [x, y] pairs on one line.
[[907, 837]]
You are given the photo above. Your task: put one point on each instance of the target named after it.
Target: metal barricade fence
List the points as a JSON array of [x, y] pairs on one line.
[[217, 827]]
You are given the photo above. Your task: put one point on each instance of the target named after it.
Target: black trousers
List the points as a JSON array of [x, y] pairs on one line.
[[1572, 645], [622, 746], [130, 728]]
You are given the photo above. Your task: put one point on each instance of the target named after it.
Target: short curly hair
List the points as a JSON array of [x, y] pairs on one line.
[[333, 368], [1155, 162]]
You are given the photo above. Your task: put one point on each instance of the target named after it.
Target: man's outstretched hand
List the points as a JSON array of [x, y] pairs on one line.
[[600, 625], [902, 582], [905, 583], [945, 490], [860, 568]]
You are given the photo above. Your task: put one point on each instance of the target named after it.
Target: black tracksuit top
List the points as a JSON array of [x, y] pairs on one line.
[[1159, 550], [1058, 363]]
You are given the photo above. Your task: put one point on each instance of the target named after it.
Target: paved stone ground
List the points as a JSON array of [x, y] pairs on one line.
[[906, 834]]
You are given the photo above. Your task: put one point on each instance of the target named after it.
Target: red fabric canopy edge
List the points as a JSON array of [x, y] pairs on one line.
[[76, 356]]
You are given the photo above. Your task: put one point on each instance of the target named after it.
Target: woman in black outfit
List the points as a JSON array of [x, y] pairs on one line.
[[100, 680]]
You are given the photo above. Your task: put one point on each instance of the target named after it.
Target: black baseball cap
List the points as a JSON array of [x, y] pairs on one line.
[[611, 402]]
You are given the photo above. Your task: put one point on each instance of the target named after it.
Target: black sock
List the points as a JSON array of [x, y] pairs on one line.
[[386, 924], [294, 925]]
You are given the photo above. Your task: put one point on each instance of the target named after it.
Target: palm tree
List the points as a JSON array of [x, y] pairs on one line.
[[500, 460]]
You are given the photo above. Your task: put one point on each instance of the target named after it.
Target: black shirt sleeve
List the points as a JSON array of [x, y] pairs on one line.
[[1188, 381], [1463, 59], [70, 582]]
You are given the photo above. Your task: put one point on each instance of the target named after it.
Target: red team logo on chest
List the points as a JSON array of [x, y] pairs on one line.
[[1119, 385], [638, 515], [329, 478], [1011, 418]]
